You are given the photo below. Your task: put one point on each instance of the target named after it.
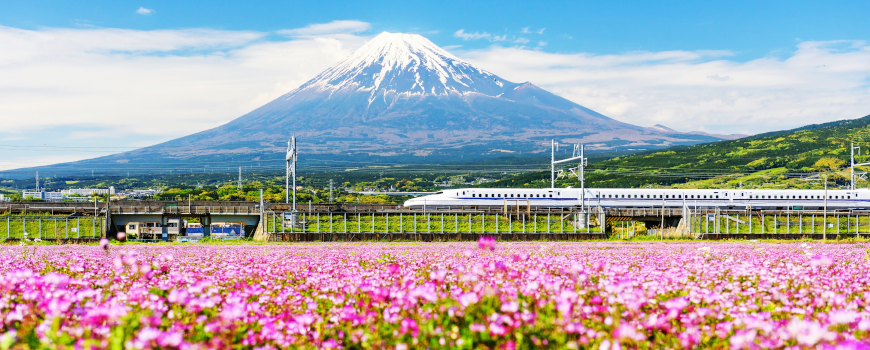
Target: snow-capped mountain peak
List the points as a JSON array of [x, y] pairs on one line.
[[404, 64]]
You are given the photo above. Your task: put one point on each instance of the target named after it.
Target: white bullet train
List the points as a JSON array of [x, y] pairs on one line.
[[645, 198]]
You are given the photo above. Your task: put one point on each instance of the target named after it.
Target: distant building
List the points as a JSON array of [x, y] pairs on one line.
[[4, 199], [89, 191], [142, 193], [46, 196]]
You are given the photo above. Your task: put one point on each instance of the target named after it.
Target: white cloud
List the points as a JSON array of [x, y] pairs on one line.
[[144, 11], [143, 87], [701, 90], [526, 30], [334, 27], [542, 43], [471, 36], [521, 41], [477, 36], [135, 88]]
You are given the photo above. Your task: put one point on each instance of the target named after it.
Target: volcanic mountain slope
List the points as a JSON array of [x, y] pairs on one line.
[[402, 93], [401, 96]]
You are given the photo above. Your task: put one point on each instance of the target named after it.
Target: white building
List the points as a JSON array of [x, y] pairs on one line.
[[89, 191], [143, 193], [47, 196]]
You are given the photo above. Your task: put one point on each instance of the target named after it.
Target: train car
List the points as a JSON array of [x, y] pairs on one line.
[[153, 229], [645, 198], [195, 229], [227, 229], [536, 197]]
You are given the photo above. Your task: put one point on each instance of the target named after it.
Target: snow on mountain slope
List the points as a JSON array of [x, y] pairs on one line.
[[405, 64], [400, 95]]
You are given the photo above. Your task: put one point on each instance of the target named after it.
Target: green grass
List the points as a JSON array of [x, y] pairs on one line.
[[424, 223], [50, 227], [770, 160]]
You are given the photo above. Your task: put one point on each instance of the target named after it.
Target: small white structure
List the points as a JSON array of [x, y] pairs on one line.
[[89, 191], [47, 196]]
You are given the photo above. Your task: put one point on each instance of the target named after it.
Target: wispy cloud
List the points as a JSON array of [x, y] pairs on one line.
[[478, 35], [334, 27], [144, 11], [526, 30], [701, 90], [133, 84], [521, 41], [471, 36]]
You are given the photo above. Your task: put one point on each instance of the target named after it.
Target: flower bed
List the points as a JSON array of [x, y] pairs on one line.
[[458, 295]]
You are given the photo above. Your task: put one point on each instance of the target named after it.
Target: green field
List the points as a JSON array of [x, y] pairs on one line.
[[434, 223], [49, 227]]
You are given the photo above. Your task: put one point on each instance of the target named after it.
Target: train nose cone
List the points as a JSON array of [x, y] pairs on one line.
[[410, 202]]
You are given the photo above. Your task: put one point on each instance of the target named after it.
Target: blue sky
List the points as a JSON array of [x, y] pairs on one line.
[[106, 76], [749, 28]]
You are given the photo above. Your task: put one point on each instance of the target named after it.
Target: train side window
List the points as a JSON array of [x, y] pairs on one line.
[[551, 196], [717, 196]]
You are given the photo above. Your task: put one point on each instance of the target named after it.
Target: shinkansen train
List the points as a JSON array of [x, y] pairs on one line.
[[645, 198]]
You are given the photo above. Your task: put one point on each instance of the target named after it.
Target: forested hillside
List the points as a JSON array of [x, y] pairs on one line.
[[784, 159]]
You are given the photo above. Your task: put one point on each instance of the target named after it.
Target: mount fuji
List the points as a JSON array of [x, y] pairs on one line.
[[401, 97]]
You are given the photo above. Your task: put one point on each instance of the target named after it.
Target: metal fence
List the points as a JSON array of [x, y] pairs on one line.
[[707, 223], [412, 225], [49, 228]]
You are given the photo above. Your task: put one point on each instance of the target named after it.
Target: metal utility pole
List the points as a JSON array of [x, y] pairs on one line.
[[825, 212], [291, 169], [581, 173], [578, 155], [37, 181], [330, 191], [262, 210], [552, 163], [240, 178], [853, 165]]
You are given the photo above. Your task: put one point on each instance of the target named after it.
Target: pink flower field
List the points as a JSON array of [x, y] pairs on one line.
[[437, 295]]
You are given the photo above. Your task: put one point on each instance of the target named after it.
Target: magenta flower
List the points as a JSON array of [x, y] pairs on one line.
[[486, 243], [597, 295]]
